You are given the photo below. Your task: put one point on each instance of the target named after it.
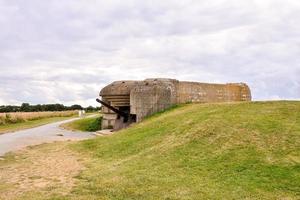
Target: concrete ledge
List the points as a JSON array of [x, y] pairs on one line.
[[104, 132]]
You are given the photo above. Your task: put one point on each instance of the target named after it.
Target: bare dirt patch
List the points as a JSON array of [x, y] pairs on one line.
[[46, 169]]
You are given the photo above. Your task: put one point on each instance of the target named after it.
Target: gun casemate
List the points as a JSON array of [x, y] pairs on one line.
[[126, 102]]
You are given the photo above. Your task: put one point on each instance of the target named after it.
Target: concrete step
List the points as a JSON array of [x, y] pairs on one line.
[[104, 132]]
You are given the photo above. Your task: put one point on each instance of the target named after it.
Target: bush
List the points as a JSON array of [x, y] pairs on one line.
[[8, 119], [95, 125]]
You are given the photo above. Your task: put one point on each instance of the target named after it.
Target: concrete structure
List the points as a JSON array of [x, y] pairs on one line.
[[134, 100]]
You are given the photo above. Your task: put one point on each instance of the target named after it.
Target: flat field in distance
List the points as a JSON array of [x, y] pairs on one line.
[[21, 120]]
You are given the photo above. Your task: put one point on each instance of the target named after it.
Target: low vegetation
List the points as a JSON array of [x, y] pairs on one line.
[[17, 117], [196, 151], [89, 124], [21, 120]]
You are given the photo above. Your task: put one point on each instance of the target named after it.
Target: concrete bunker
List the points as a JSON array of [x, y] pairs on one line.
[[126, 102]]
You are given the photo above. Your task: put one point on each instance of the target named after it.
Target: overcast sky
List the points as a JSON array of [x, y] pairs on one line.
[[65, 51]]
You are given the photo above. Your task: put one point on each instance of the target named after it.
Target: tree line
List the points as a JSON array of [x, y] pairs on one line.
[[26, 107]]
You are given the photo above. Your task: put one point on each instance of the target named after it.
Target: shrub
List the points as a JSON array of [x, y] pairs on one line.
[[8, 119], [95, 125]]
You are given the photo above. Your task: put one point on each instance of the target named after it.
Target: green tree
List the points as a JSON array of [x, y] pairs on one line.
[[25, 107]]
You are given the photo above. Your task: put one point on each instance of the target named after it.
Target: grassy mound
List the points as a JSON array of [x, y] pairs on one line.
[[199, 151], [89, 124]]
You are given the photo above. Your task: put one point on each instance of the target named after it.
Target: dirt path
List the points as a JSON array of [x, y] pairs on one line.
[[35, 136], [43, 170]]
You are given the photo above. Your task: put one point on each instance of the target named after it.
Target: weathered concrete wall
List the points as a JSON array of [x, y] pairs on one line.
[[109, 118], [204, 92], [146, 100]]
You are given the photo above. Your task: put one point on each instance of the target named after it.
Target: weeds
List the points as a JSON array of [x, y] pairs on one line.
[[17, 117]]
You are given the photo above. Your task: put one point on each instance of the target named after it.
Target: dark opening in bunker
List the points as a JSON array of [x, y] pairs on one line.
[[126, 109], [133, 118]]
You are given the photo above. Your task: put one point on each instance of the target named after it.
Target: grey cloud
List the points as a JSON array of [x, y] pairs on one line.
[[65, 51]]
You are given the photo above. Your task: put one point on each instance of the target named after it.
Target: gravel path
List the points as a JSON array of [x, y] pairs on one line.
[[42, 134]]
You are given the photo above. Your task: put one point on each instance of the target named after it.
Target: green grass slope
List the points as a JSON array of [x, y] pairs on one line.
[[199, 151]]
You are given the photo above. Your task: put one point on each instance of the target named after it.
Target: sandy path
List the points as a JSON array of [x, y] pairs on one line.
[[40, 172], [34, 136]]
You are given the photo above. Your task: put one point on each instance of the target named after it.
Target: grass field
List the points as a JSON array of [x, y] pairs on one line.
[[195, 151], [24, 120], [17, 117], [89, 124]]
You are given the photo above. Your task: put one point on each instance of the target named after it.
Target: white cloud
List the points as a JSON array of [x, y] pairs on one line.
[[65, 51]]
